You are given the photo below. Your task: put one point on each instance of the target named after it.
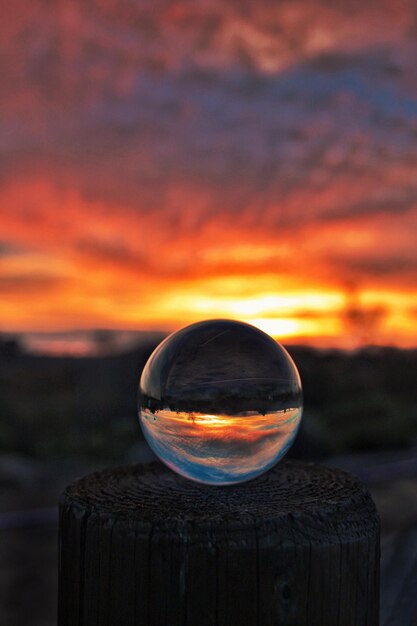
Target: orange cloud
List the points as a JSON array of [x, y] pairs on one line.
[[199, 161], [85, 264]]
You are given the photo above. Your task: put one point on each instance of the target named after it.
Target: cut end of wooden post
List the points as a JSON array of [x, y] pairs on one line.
[[298, 545]]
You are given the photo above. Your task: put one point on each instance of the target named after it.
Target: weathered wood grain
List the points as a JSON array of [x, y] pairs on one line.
[[298, 546]]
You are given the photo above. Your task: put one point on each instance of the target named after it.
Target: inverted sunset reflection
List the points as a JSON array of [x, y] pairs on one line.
[[220, 401], [220, 449]]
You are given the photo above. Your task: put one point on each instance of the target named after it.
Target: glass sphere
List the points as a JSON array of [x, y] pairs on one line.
[[220, 402]]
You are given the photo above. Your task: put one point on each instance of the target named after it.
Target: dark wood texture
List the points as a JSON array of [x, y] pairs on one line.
[[399, 579], [141, 546]]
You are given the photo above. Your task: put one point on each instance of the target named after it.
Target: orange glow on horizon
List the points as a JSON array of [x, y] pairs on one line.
[[192, 161], [56, 283], [250, 427]]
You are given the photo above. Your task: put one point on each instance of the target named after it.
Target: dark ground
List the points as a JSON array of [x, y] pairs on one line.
[[63, 417], [28, 553], [55, 408]]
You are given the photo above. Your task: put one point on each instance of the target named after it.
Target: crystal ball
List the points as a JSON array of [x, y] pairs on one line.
[[220, 402]]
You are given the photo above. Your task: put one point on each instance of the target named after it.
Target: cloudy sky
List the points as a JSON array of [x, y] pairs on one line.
[[164, 162], [220, 449]]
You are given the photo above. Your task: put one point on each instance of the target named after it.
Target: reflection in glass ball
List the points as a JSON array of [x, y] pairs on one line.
[[220, 402]]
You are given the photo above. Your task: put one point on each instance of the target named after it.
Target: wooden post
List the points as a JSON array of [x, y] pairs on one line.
[[141, 546]]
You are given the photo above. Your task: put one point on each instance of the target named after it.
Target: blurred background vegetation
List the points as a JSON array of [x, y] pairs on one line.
[[85, 407], [64, 416]]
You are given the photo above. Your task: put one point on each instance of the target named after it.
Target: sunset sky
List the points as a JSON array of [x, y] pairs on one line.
[[220, 449], [165, 162]]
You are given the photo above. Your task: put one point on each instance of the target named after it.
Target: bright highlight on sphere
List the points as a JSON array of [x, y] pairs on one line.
[[220, 402]]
